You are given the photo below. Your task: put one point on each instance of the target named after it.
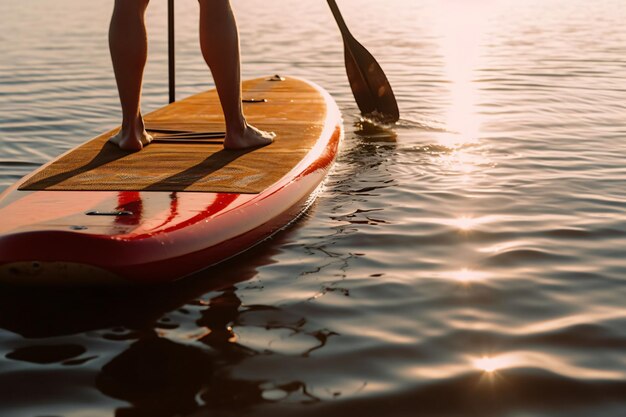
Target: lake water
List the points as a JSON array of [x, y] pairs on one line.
[[469, 261]]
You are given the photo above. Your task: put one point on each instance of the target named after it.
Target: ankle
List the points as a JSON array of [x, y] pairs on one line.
[[237, 126], [133, 125]]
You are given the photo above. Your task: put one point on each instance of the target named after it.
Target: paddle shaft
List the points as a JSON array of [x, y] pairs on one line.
[[170, 51], [343, 28]]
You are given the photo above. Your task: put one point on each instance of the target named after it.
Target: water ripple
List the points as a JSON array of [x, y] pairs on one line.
[[466, 261]]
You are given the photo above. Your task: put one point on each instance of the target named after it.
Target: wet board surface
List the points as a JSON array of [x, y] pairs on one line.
[[193, 159], [97, 215]]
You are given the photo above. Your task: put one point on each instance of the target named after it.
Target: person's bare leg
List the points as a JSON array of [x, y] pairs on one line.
[[219, 41], [128, 43]]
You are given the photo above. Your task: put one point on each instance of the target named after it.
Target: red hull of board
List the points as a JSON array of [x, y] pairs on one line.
[[45, 236]]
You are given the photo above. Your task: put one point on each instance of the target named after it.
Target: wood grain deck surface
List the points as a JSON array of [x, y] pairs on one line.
[[294, 110]]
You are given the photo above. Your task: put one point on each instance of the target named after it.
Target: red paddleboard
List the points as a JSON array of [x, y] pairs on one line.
[[97, 215]]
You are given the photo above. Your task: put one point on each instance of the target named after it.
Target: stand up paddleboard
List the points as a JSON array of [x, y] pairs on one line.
[[100, 215]]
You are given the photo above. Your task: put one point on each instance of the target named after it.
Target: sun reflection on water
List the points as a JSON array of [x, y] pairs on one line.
[[466, 223], [464, 275], [460, 33], [493, 364]]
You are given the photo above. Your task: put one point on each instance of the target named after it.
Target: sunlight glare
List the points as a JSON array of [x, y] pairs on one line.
[[466, 275], [467, 223], [461, 26], [463, 276], [464, 161], [493, 364], [490, 365]]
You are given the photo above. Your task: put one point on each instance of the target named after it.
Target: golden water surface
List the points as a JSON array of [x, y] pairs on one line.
[[469, 261]]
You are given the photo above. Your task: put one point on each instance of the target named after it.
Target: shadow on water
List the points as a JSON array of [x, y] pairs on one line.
[[160, 377], [154, 374]]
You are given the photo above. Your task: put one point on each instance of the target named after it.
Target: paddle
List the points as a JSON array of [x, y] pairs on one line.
[[170, 51], [370, 86]]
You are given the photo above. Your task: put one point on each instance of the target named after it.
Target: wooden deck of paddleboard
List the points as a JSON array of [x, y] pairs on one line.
[[295, 111], [100, 215]]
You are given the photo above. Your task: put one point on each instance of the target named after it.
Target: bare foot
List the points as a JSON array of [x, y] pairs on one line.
[[251, 137], [131, 140]]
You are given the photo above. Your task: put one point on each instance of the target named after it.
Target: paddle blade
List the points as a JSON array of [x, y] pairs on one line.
[[371, 89]]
